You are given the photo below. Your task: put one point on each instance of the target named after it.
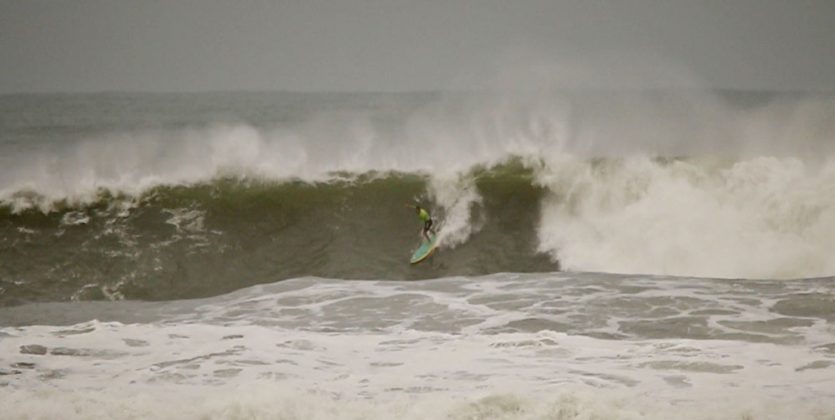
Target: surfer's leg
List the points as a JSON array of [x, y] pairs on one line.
[[427, 228]]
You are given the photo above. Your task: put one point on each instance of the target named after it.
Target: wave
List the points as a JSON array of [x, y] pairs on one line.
[[758, 218], [210, 238], [684, 185]]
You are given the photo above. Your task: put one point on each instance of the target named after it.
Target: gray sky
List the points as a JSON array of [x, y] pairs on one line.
[[172, 45]]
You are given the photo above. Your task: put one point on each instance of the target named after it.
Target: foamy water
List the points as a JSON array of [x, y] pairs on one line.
[[503, 346], [756, 218]]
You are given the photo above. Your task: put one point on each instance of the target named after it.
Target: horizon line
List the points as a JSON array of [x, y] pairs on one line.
[[406, 91]]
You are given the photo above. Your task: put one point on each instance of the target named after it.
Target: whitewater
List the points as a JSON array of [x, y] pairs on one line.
[[604, 254]]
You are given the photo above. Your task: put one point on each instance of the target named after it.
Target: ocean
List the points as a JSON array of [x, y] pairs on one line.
[[604, 254]]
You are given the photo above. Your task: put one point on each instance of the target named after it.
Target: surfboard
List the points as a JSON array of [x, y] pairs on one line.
[[425, 249]]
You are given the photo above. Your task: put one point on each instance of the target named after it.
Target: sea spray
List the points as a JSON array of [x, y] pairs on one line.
[[762, 217], [456, 197]]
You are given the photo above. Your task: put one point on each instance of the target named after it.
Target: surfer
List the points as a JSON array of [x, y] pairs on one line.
[[427, 222]]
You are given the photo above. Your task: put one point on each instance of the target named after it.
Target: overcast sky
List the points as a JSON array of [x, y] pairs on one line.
[[172, 45]]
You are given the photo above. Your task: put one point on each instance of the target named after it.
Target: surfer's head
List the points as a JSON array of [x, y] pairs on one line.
[[417, 209]]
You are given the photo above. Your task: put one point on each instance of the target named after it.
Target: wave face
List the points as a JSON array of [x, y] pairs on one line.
[[177, 196], [219, 236]]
